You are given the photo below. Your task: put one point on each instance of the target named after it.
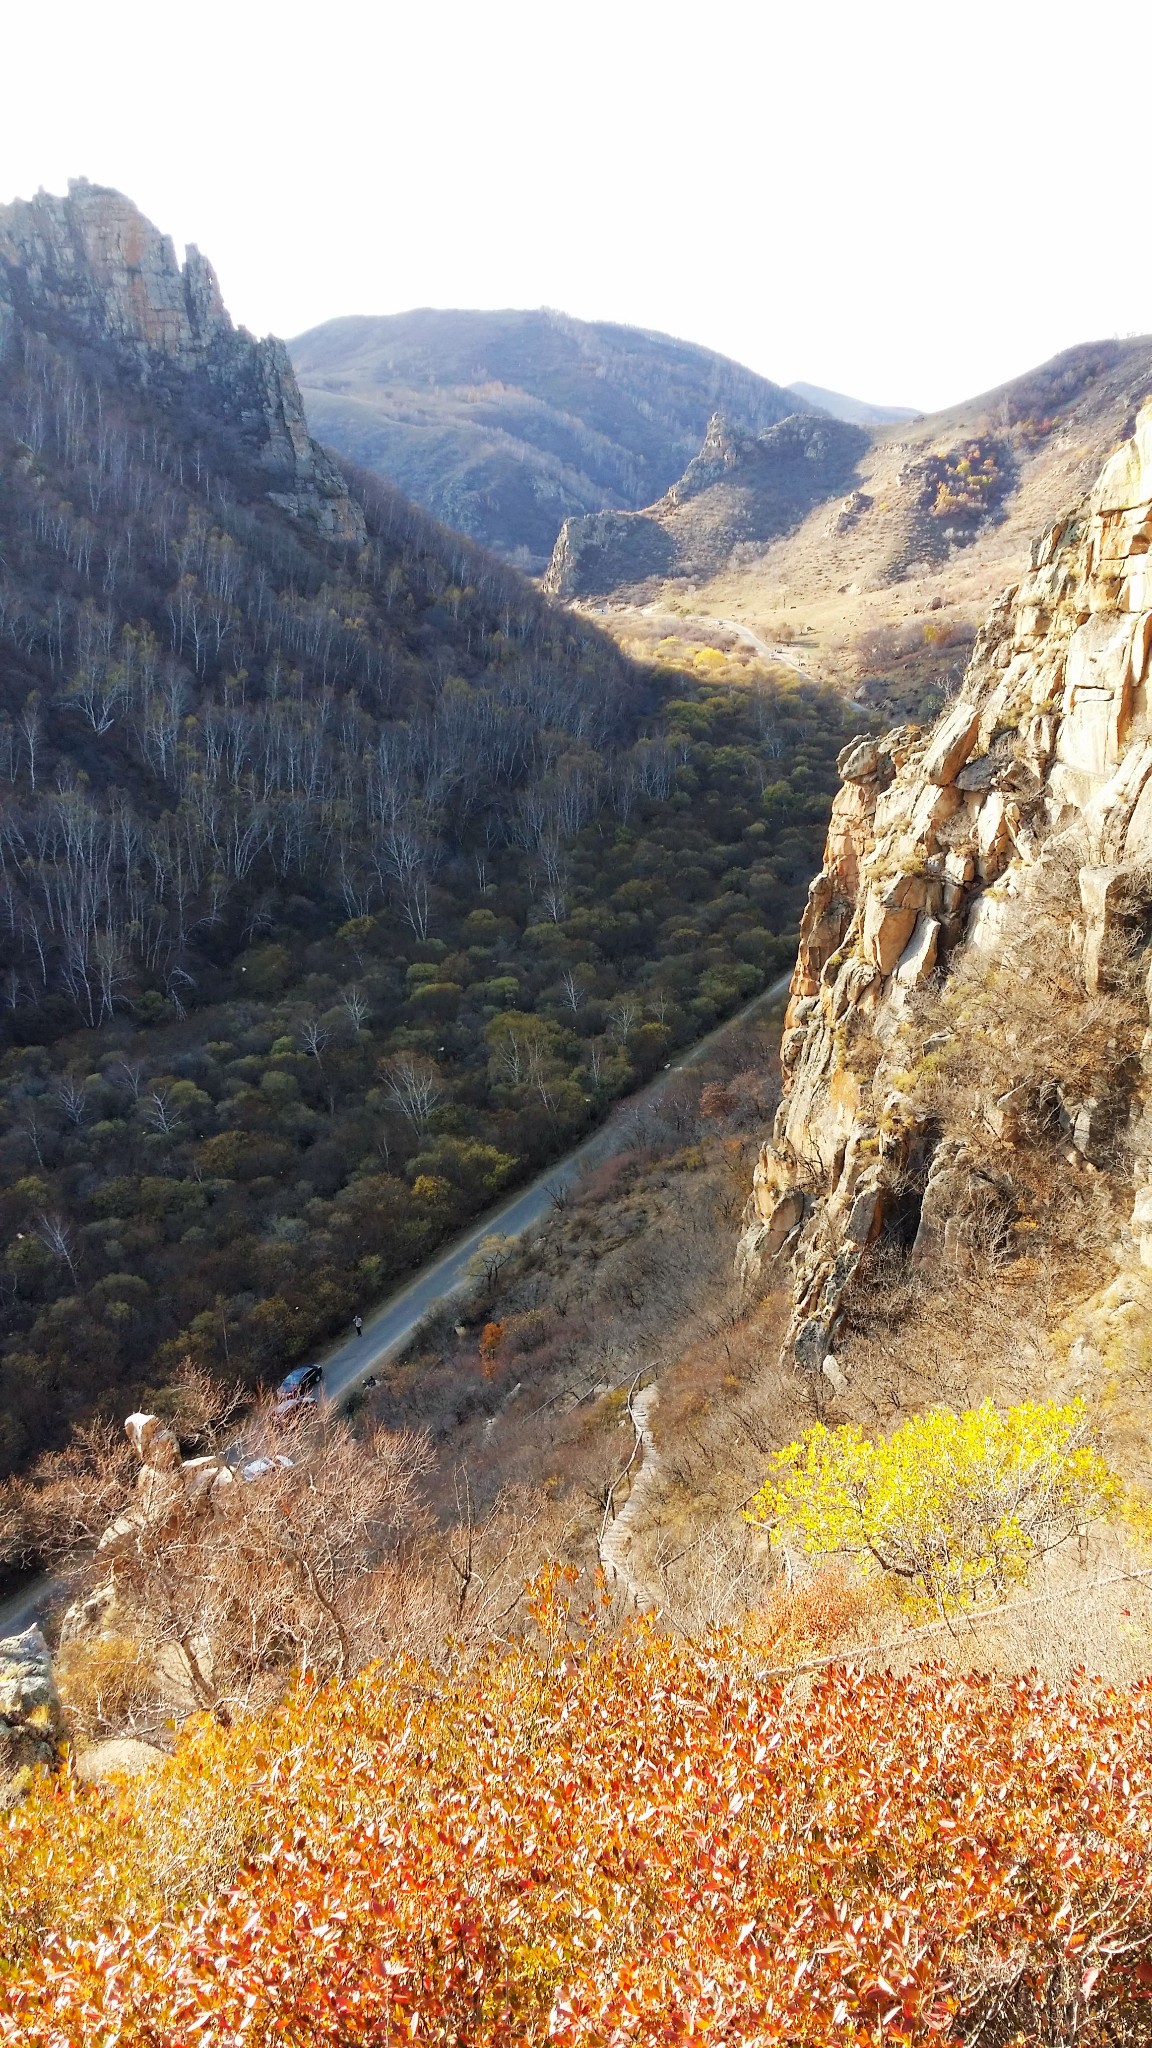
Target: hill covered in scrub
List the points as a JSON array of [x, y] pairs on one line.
[[880, 576], [341, 877], [584, 1840], [505, 424]]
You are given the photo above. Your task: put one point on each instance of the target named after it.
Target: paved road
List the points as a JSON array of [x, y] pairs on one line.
[[395, 1323]]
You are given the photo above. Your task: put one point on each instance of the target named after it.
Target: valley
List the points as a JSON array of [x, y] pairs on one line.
[[714, 1601], [346, 882]]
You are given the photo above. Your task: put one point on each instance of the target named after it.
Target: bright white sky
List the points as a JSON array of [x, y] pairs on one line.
[[903, 200]]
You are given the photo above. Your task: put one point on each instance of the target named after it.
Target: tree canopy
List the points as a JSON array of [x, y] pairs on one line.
[[953, 1507]]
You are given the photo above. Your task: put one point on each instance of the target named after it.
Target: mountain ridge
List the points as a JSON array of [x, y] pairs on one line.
[[501, 423], [90, 266], [857, 410]]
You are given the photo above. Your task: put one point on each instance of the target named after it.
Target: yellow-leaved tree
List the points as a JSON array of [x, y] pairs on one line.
[[954, 1507]]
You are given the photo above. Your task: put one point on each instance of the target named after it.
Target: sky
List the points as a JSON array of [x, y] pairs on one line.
[[906, 202]]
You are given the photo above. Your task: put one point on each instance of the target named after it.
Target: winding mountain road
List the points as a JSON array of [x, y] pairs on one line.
[[393, 1325]]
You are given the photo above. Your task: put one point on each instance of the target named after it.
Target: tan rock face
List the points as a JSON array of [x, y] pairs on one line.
[[951, 744], [932, 839], [94, 259], [91, 264]]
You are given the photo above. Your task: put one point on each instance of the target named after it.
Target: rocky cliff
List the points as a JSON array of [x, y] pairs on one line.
[[90, 269], [740, 490], [967, 1047]]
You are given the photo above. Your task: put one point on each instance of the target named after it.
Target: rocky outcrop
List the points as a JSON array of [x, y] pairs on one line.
[[935, 838], [740, 490], [90, 269], [31, 1716], [600, 551], [168, 1488]]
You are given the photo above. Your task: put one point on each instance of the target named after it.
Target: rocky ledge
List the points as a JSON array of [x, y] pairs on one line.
[[1033, 789]]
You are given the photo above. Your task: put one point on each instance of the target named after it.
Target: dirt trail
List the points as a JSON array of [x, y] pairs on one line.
[[769, 651], [616, 1537]]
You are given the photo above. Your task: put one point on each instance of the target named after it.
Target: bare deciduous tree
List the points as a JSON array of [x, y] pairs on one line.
[[58, 1237], [414, 1087]]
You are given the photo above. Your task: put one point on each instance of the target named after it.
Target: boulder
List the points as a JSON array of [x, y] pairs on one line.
[[765, 1236], [152, 1442], [866, 1215], [1142, 1223], [918, 960], [946, 1206], [31, 1715], [889, 922], [1110, 898], [833, 1375], [810, 1344], [859, 761], [91, 1615], [121, 1757]]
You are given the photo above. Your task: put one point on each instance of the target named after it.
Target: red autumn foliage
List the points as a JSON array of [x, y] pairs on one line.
[[632, 1841]]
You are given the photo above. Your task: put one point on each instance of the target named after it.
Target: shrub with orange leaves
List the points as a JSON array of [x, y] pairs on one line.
[[491, 1338], [628, 1840]]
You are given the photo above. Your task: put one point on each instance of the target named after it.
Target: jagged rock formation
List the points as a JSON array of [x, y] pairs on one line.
[[1021, 820], [90, 268], [740, 490]]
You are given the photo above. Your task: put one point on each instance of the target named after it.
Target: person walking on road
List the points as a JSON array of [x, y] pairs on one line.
[[358, 1325]]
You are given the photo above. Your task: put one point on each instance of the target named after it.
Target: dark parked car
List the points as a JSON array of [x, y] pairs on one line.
[[302, 1389]]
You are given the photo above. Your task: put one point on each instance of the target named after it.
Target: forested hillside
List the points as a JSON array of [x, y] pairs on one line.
[[505, 424], [341, 877]]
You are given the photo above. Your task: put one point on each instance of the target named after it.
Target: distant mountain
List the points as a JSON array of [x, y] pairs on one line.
[[857, 410], [505, 424], [944, 498]]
